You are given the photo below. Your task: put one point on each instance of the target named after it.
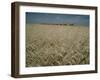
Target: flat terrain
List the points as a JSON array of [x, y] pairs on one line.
[[53, 45]]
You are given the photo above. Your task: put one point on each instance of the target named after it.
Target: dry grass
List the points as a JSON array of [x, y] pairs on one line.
[[53, 45]]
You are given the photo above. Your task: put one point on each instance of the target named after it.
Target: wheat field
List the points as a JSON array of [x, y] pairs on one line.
[[54, 45]]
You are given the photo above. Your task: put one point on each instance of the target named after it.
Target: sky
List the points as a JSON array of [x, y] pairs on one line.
[[52, 18]]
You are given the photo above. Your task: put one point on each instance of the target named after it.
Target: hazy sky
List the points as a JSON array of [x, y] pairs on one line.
[[51, 18]]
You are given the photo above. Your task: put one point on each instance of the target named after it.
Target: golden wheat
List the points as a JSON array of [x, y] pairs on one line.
[[53, 45]]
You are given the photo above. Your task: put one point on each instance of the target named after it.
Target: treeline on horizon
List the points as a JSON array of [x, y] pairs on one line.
[[62, 24]]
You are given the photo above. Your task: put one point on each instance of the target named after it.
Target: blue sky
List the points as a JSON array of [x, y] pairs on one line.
[[51, 18]]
